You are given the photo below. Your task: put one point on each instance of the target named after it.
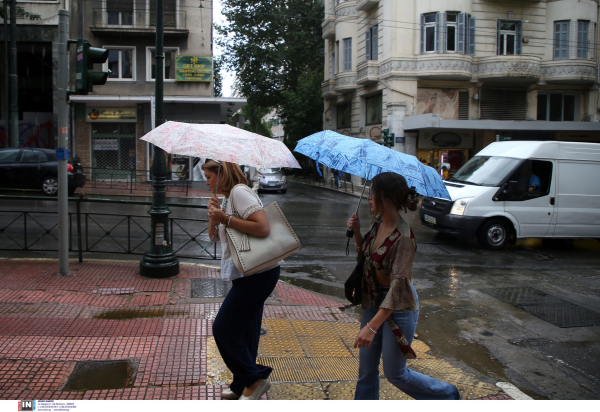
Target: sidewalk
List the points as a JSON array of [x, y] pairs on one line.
[[347, 188], [104, 332]]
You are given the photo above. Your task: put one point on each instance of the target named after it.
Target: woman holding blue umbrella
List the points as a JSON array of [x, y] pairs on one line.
[[391, 304]]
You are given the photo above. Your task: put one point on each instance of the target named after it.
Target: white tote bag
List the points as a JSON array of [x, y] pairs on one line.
[[252, 254]]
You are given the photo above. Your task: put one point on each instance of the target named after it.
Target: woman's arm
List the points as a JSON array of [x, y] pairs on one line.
[[257, 224], [366, 336]]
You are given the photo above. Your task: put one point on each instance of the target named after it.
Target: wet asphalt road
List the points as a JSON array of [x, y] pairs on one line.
[[462, 324]]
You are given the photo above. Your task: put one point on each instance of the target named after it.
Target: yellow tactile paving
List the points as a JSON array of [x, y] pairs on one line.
[[295, 391], [276, 346], [316, 360], [317, 347]]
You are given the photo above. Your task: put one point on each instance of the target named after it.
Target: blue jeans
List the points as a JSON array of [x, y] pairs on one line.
[[336, 180], [414, 384]]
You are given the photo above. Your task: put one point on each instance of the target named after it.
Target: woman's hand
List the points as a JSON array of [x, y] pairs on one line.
[[354, 223], [364, 338], [214, 211]]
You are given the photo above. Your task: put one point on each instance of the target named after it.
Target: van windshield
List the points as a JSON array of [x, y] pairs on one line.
[[485, 170]]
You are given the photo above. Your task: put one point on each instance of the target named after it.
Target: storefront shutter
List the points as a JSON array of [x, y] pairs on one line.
[[503, 104]]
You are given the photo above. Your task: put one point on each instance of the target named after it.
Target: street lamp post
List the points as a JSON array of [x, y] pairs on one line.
[[159, 261]]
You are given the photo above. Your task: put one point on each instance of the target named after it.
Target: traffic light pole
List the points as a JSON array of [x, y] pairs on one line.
[[63, 141], [14, 77], [159, 261]]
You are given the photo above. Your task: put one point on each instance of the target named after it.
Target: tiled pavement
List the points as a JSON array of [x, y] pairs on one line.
[[105, 311]]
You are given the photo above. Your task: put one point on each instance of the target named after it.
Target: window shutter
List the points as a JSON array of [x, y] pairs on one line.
[[444, 26], [422, 34], [461, 35], [375, 42], [471, 37], [498, 51], [519, 30], [368, 43], [556, 40], [438, 32], [592, 44]]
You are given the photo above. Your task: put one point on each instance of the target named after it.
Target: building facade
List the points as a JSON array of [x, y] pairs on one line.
[[448, 77]]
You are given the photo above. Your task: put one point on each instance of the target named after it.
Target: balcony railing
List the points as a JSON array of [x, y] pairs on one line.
[[137, 21]]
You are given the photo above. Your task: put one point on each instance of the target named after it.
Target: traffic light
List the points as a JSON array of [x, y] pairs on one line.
[[86, 57], [388, 138]]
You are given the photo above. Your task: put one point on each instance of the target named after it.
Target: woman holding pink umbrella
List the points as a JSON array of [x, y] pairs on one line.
[[237, 326]]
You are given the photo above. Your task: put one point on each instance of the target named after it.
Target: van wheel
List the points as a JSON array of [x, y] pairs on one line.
[[494, 234]]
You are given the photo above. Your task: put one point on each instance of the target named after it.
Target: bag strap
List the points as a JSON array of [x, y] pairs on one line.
[[233, 210]]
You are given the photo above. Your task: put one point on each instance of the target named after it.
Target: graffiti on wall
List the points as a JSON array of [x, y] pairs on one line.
[[32, 134]]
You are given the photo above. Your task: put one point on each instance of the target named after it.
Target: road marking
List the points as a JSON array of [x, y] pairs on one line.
[[514, 392]]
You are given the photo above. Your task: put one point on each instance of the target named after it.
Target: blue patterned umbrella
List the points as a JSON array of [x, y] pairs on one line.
[[365, 158]]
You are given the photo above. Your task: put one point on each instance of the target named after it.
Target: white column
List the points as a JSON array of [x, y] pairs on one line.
[[395, 124]]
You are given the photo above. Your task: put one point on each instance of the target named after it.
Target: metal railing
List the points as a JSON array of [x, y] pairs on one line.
[[131, 180], [136, 19], [93, 231]]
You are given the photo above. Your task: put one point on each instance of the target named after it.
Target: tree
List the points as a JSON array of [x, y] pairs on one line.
[[217, 78], [270, 44], [254, 115], [275, 48]]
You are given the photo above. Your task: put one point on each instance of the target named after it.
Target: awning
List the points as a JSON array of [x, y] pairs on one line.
[[433, 121]]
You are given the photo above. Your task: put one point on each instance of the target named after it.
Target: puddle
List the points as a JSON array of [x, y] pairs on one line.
[[126, 314], [99, 375]]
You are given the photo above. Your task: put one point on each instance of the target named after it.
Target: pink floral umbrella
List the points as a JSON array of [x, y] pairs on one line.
[[221, 142]]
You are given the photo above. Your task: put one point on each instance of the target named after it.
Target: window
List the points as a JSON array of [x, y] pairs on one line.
[[583, 34], [372, 42], [119, 12], [337, 56], [430, 31], [33, 156], [533, 178], [9, 156], [344, 116], [374, 109], [561, 40], [510, 35], [169, 67], [120, 63], [169, 15], [556, 107], [451, 21], [332, 61], [457, 35], [347, 55]]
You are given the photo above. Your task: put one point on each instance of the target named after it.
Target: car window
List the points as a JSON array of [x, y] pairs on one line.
[[9, 156], [33, 156], [270, 171]]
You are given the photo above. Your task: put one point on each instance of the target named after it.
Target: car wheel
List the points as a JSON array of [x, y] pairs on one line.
[[50, 186], [494, 234], [283, 190]]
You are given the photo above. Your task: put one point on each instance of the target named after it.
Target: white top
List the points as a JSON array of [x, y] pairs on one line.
[[246, 203]]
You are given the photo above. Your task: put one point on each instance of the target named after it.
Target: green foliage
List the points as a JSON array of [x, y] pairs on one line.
[[255, 117], [270, 44], [20, 13], [217, 79]]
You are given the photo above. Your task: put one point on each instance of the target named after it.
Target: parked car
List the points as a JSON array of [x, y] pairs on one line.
[[273, 180], [32, 168], [521, 189]]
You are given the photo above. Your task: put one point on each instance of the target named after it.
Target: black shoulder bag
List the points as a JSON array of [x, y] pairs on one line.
[[353, 286]]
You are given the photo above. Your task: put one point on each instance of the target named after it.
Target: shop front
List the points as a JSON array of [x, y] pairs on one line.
[[450, 148]]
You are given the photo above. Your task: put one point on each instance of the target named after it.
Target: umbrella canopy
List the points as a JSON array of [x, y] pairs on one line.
[[221, 142], [365, 158]]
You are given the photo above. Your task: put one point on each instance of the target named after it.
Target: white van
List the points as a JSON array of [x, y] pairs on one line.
[[521, 189]]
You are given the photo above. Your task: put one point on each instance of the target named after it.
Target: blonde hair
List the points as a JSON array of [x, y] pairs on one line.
[[231, 174]]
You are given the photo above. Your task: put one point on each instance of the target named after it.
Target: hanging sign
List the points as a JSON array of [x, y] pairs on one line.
[[111, 114], [193, 68], [106, 144]]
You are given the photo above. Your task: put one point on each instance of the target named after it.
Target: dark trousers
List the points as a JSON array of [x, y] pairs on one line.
[[237, 327]]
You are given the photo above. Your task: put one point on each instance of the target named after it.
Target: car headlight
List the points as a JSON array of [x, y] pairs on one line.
[[459, 206], [283, 179]]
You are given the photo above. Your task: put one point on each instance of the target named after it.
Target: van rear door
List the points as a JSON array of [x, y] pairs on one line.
[[533, 202], [578, 200]]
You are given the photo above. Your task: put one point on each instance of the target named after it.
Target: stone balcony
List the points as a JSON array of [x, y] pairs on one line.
[[345, 82], [367, 72], [364, 5], [328, 26], [346, 10], [577, 72], [432, 66], [328, 89], [508, 68]]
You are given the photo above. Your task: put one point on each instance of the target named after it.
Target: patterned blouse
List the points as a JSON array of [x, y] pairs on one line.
[[394, 258]]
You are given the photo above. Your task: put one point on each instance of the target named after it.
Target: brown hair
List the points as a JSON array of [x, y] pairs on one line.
[[393, 187], [231, 174]]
